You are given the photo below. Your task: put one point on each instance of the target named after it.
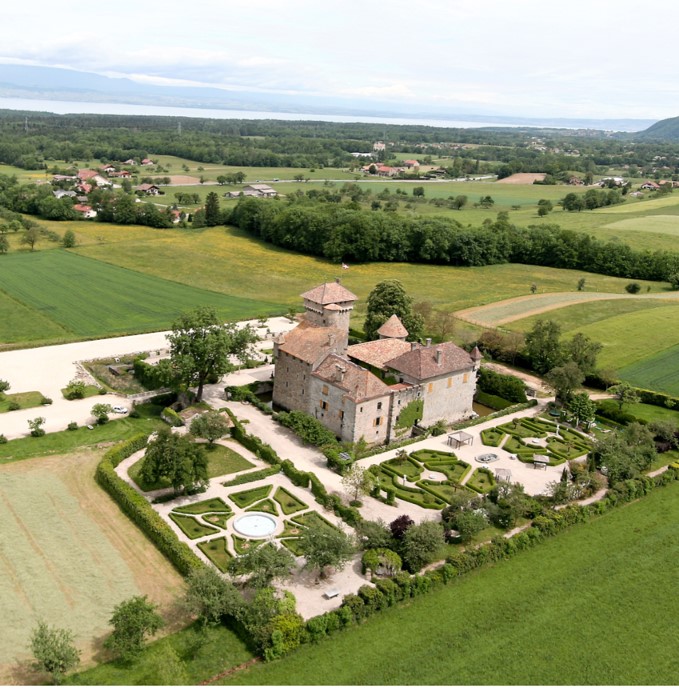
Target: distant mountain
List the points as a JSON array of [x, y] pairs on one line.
[[52, 83], [665, 130]]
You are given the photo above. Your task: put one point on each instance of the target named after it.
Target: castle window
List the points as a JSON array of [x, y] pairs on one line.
[[324, 391], [324, 404], [450, 382], [377, 421], [379, 405], [341, 415], [465, 378]]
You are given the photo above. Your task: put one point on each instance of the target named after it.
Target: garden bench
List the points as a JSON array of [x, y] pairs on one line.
[[332, 593]]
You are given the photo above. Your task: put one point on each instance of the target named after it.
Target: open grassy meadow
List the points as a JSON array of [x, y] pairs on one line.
[[81, 297], [659, 371], [68, 555], [593, 605]]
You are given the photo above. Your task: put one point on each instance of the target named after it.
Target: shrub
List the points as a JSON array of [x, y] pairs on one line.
[[171, 417], [309, 429], [73, 426], [13, 405], [633, 288], [3, 439], [46, 401], [507, 387]]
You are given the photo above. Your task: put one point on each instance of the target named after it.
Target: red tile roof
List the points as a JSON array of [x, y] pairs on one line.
[[308, 342], [393, 328], [423, 363], [329, 293], [378, 352], [358, 384]]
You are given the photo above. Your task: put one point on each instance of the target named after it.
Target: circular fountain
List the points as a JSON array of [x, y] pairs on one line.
[[255, 525]]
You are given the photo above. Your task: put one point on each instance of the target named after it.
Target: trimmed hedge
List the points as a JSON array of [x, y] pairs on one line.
[[502, 385], [495, 415], [171, 417], [140, 511], [252, 476]]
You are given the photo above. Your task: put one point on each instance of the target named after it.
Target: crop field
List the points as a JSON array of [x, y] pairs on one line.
[[657, 372], [88, 298], [68, 555], [591, 606]]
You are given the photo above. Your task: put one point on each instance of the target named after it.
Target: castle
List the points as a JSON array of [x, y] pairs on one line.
[[376, 390]]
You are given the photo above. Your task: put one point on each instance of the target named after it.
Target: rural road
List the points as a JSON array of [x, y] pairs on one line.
[[49, 369]]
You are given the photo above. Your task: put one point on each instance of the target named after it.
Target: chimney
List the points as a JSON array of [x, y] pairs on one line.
[[428, 340], [413, 346], [439, 356], [340, 371]]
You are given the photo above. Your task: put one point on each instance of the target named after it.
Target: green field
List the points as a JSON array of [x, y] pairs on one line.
[[88, 298], [657, 372], [594, 605]]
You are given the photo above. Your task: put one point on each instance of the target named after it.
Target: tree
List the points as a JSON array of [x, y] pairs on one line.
[[210, 597], [68, 240], [624, 393], [633, 288], [459, 202], [166, 667], [508, 502], [31, 236], [625, 453], [581, 284], [386, 299], [213, 215], [420, 545], [133, 621], [176, 459], [100, 412], [545, 206], [358, 481], [418, 192], [565, 379], [469, 523], [4, 244], [399, 527], [443, 324], [200, 347], [543, 346], [583, 351], [4, 387], [486, 202], [323, 547], [212, 425], [582, 408], [264, 564], [36, 426], [54, 651], [373, 535]]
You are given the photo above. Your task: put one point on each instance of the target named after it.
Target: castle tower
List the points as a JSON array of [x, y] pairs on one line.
[[329, 306]]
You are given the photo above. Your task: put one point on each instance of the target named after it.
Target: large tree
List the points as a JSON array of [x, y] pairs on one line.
[[211, 425], [54, 651], [583, 351], [263, 565], [543, 346], [625, 453], [582, 408], [210, 597], [324, 546], [388, 298], [420, 545], [213, 215], [200, 347], [133, 621], [565, 380], [177, 459]]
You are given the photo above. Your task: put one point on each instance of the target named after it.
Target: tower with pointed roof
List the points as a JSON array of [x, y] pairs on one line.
[[329, 305]]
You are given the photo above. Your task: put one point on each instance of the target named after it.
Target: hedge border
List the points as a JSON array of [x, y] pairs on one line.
[[138, 509]]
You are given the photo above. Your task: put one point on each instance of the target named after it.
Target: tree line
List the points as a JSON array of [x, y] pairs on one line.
[[347, 233]]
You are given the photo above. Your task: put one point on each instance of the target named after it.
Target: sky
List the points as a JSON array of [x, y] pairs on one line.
[[530, 58]]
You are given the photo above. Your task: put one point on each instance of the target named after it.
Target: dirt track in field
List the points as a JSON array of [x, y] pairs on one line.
[[150, 572], [475, 314], [522, 178]]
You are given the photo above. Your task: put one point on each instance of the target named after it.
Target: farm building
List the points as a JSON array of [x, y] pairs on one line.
[[148, 189], [374, 390]]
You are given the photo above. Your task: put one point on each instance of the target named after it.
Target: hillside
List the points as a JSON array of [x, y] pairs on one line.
[[667, 130]]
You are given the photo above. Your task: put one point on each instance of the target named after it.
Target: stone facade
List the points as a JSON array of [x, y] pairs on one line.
[[363, 391]]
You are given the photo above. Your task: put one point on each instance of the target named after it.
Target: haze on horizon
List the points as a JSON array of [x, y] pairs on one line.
[[525, 58]]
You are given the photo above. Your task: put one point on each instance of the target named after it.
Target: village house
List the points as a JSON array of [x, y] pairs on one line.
[[652, 186], [85, 211], [148, 189], [374, 390], [147, 161]]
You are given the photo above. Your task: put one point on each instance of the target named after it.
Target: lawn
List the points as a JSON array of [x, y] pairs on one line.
[[115, 300], [64, 442], [25, 400], [606, 626]]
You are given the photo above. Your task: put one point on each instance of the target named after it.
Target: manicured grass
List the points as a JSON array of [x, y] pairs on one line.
[[204, 506], [89, 391], [647, 412], [222, 460], [243, 545], [609, 625], [288, 502], [404, 467], [25, 400], [204, 652], [191, 526], [245, 498], [218, 553], [116, 300], [482, 480], [312, 519], [492, 437], [64, 442], [265, 505]]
